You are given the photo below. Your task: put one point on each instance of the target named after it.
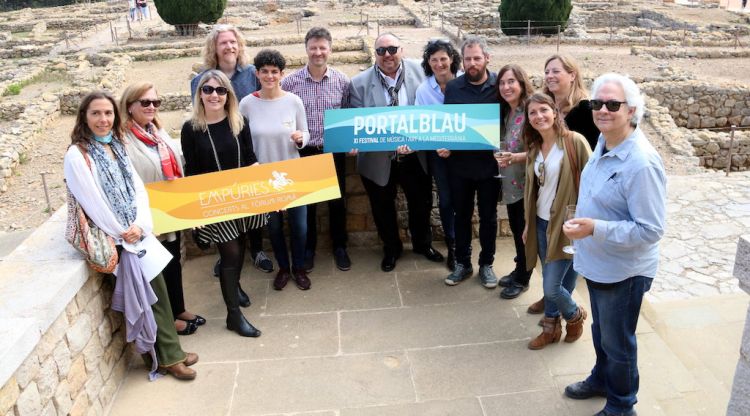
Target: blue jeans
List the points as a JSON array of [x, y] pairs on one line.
[[439, 170], [614, 309], [297, 218], [558, 278]]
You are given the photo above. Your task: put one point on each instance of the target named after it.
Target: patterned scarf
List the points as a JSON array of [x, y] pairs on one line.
[[392, 91], [116, 180], [169, 166]]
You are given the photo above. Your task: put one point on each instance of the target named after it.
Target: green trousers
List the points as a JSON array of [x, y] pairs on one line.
[[168, 349]]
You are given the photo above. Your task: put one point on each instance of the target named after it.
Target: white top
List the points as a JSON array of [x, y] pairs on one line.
[[403, 97], [551, 178], [271, 124]]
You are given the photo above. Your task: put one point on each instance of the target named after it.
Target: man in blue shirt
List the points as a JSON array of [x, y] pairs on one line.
[[620, 220], [225, 50]]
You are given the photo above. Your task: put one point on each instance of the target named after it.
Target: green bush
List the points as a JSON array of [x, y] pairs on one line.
[[13, 89], [185, 14], [545, 15]]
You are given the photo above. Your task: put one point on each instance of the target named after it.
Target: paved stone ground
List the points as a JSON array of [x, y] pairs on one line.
[[706, 214], [365, 342]]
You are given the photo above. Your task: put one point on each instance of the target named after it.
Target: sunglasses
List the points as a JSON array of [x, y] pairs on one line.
[[146, 103], [208, 90], [612, 105], [390, 49], [541, 174]]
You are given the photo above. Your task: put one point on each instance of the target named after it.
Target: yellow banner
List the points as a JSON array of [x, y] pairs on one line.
[[220, 196]]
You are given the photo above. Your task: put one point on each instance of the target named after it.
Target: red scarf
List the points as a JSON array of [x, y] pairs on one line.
[[169, 166]]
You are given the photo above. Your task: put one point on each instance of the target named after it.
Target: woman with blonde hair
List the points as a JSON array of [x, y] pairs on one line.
[[102, 179], [556, 157], [156, 157], [217, 138]]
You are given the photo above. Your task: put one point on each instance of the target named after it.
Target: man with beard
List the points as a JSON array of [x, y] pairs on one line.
[[225, 50], [393, 81], [472, 172], [322, 88]]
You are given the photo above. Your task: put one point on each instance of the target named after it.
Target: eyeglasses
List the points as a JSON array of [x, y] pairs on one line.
[[541, 174], [208, 90], [146, 103], [390, 49], [612, 105]]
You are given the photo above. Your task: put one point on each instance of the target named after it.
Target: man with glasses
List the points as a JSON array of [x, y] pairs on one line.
[[471, 173], [621, 218], [225, 50], [393, 81], [322, 88]]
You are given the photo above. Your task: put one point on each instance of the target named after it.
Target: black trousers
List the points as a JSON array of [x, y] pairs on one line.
[[417, 186], [336, 207], [517, 224], [255, 236], [487, 192], [173, 276]]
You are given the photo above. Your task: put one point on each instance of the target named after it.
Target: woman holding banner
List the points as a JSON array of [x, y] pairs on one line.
[[102, 180], [156, 157], [279, 125], [217, 138]]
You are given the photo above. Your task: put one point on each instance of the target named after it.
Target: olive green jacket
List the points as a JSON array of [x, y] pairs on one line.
[[566, 194]]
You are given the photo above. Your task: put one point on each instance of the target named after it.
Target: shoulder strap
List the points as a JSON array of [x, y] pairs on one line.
[[573, 159]]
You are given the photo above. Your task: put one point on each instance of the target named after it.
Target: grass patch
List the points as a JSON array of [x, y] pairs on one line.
[[46, 76], [14, 89], [22, 158]]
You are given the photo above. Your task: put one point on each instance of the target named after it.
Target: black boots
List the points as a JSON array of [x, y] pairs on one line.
[[229, 279], [450, 261], [244, 298]]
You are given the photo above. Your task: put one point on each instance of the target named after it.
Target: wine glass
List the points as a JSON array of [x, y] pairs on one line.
[[501, 151], [570, 213]]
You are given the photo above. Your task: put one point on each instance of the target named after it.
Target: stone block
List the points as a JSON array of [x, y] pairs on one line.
[[108, 391], [29, 402], [62, 358], [93, 386], [47, 379], [77, 375], [79, 334], [27, 371], [92, 353], [358, 204], [8, 395], [105, 332], [80, 405], [96, 409], [62, 398], [49, 409]]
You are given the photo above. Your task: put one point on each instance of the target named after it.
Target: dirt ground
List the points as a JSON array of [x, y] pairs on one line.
[[23, 205]]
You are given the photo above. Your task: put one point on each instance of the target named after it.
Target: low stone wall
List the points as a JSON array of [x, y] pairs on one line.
[[681, 52], [25, 51], [9, 111], [695, 104], [739, 401], [62, 348], [712, 148]]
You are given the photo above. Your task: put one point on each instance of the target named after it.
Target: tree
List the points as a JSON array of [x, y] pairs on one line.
[[186, 14], [545, 15]]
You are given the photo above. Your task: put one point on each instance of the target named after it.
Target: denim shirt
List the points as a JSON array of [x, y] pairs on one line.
[[243, 81], [624, 191]]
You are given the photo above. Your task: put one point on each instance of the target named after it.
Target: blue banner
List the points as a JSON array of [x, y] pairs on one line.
[[426, 127]]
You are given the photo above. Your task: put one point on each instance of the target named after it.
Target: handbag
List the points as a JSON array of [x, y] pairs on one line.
[[97, 247]]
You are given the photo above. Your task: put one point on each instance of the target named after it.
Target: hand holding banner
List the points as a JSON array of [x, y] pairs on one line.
[[220, 196], [428, 127]]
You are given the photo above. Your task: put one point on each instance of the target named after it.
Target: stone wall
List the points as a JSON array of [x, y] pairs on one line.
[[712, 148], [63, 349], [739, 402]]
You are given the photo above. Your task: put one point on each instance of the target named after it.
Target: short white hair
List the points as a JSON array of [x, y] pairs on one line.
[[632, 93]]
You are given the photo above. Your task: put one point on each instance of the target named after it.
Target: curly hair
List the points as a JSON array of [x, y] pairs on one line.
[[209, 49], [269, 57], [82, 134], [438, 45]]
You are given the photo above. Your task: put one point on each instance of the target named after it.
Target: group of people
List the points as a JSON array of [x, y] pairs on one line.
[[138, 10], [606, 206]]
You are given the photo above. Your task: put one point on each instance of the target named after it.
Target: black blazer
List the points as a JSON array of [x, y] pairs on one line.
[[580, 119]]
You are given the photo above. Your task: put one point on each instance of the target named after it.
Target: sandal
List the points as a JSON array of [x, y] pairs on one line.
[[190, 328], [198, 320]]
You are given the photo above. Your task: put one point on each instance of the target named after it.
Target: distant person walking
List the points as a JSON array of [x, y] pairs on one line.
[[131, 9]]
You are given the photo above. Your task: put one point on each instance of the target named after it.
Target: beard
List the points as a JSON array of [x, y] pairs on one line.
[[479, 75]]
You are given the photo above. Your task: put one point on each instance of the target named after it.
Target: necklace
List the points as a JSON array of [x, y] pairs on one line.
[[213, 147]]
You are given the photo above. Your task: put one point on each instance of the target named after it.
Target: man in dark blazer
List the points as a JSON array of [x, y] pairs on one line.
[[393, 81]]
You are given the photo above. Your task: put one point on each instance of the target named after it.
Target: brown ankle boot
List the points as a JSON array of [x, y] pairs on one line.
[[574, 327], [536, 307], [551, 332], [180, 371]]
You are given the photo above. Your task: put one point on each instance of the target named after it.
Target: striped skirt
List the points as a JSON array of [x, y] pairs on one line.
[[221, 232]]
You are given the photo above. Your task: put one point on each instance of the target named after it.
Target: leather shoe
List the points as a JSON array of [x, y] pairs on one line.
[[507, 280], [388, 263], [605, 412], [301, 279], [282, 278], [431, 254], [582, 390], [342, 260], [190, 328], [244, 298], [190, 359], [513, 291], [180, 371]]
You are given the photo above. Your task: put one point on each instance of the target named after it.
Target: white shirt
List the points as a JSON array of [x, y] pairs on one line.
[[403, 98], [551, 178]]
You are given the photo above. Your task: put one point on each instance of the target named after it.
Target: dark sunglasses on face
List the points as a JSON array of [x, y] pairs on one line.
[[208, 90], [146, 103], [612, 105], [383, 49]]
